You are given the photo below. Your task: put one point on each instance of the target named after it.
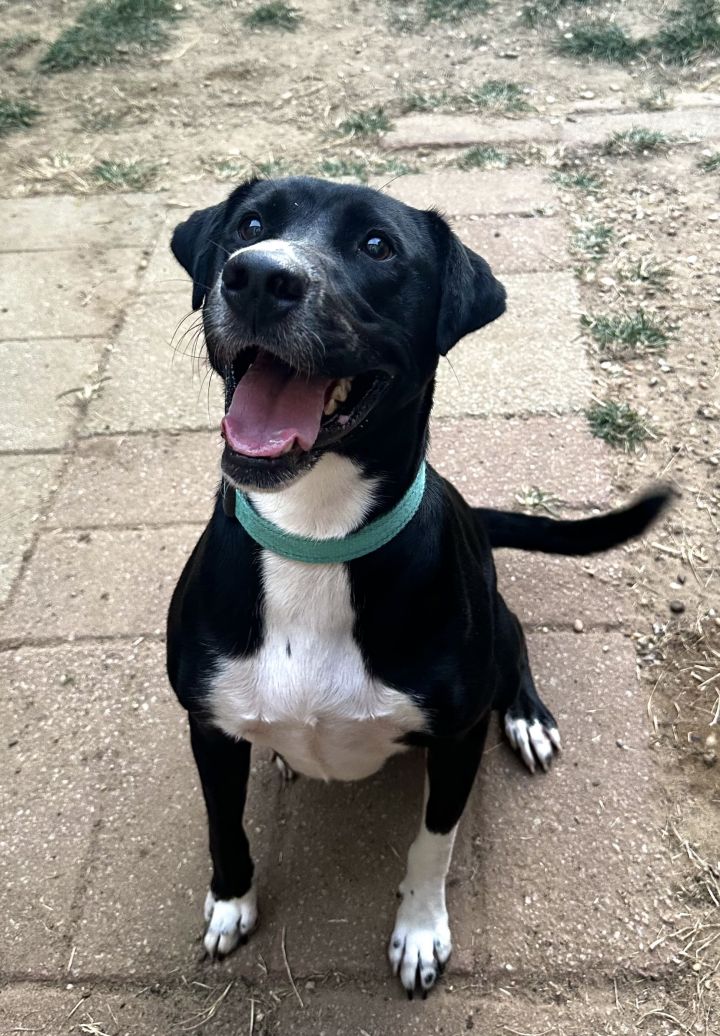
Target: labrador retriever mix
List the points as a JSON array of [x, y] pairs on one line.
[[341, 605]]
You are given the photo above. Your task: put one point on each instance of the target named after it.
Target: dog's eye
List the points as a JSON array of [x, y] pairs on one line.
[[250, 227], [377, 247]]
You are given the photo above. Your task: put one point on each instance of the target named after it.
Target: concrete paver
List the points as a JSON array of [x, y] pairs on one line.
[[470, 194], [155, 383], [557, 454], [99, 583], [139, 479], [57, 222], [59, 715], [26, 481], [442, 131], [588, 867], [39, 390], [536, 340], [59, 294], [520, 244]]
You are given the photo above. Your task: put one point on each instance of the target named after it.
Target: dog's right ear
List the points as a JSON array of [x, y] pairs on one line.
[[194, 243]]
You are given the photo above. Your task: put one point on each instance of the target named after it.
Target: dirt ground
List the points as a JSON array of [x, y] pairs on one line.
[[223, 99]]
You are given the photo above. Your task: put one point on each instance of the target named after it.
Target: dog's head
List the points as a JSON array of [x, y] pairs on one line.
[[326, 308]]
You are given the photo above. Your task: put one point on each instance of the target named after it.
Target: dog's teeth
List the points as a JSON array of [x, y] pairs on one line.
[[339, 395]]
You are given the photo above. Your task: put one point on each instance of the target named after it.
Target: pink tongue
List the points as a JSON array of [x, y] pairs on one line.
[[272, 409]]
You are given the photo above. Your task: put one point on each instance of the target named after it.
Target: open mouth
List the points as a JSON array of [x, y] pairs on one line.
[[276, 411]]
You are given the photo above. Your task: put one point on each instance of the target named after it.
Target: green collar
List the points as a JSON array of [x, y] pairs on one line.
[[323, 552]]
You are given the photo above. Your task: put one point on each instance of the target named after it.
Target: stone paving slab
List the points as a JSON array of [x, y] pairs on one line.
[[59, 294], [139, 479], [39, 402], [543, 589], [60, 714], [518, 244], [155, 383], [471, 194], [446, 131], [536, 340], [57, 222], [571, 865], [115, 582], [491, 460], [422, 130], [26, 482]]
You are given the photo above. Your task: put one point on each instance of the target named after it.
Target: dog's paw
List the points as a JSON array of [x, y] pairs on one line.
[[420, 945], [286, 772], [230, 921], [535, 740]]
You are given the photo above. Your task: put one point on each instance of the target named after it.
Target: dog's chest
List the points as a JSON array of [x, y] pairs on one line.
[[306, 693]]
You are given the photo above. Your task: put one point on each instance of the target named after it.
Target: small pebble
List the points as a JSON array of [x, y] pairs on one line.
[[677, 607], [710, 758], [578, 626]]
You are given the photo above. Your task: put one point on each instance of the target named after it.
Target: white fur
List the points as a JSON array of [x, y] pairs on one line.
[[229, 921], [420, 943], [316, 704], [534, 742]]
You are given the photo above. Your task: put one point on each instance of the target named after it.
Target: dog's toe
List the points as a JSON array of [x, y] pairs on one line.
[[535, 741], [286, 772], [419, 947], [230, 921]]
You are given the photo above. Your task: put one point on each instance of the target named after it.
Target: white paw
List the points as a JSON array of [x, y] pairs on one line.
[[229, 921], [535, 742], [420, 945]]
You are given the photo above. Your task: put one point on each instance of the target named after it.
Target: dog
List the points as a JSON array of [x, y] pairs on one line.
[[341, 606]]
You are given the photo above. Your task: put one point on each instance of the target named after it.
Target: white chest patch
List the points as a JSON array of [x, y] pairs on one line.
[[307, 693]]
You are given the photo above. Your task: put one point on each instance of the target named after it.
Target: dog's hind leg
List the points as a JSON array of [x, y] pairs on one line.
[[529, 725]]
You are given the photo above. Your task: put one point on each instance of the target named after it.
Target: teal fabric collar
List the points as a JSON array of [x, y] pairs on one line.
[[323, 552]]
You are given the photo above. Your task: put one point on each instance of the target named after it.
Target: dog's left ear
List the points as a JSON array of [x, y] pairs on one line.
[[193, 246], [470, 296]]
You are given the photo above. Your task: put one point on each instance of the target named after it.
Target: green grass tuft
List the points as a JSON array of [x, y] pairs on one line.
[[367, 123], [600, 41], [274, 168], [710, 163], [15, 46], [274, 15], [594, 238], [419, 102], [657, 101], [628, 334], [649, 271], [16, 115], [537, 13], [484, 158], [578, 180], [337, 167], [110, 30], [689, 31], [125, 175], [637, 141], [497, 95], [453, 10], [618, 424]]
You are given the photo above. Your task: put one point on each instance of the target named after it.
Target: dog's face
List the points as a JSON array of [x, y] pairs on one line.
[[326, 307]]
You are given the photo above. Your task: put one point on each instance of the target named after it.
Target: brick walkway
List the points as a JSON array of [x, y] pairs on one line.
[[109, 459]]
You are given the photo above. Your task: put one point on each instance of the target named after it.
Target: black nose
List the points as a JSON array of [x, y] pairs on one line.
[[261, 288]]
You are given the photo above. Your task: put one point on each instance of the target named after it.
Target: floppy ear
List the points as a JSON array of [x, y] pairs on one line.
[[193, 246], [470, 296]]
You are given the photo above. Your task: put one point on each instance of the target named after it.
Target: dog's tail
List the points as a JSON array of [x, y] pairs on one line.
[[586, 536]]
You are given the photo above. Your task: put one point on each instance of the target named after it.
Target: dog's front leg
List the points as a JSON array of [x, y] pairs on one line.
[[231, 905], [420, 943]]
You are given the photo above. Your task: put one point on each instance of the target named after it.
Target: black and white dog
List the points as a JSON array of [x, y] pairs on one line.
[[326, 309]]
